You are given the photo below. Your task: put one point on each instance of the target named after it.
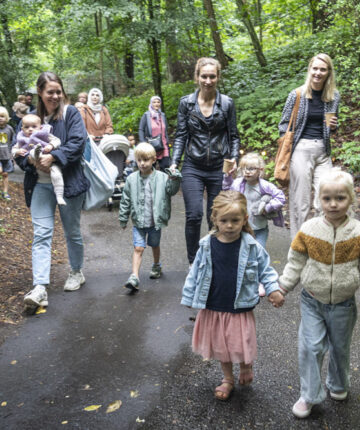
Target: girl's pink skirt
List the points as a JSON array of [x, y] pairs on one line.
[[225, 336]]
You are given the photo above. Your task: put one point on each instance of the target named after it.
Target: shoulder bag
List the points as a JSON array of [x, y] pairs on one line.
[[156, 141], [282, 160], [101, 173]]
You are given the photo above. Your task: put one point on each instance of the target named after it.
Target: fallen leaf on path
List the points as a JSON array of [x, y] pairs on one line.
[[86, 387], [134, 394], [178, 328], [138, 420], [277, 262], [92, 408], [3, 403], [13, 362], [114, 406], [64, 422], [40, 310]]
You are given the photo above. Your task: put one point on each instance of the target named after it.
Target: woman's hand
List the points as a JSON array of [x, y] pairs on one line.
[[173, 167], [333, 123], [44, 163], [234, 167]]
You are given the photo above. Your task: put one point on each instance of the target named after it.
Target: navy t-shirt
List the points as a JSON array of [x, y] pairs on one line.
[[225, 259], [314, 124]]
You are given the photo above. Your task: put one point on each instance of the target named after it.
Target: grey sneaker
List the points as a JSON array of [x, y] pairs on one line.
[[74, 281], [155, 272], [37, 296], [132, 283]]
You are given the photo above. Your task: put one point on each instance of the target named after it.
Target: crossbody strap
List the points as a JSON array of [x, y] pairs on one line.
[[295, 111]]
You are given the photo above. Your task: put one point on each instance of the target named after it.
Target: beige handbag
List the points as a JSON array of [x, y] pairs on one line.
[[282, 160]]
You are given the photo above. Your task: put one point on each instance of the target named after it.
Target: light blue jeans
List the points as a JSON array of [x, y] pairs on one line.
[[322, 328], [262, 235], [43, 205]]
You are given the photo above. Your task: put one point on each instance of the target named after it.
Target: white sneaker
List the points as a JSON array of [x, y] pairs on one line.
[[302, 409], [74, 281], [338, 396], [37, 296]]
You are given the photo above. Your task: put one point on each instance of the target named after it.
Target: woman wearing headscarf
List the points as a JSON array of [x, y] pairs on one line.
[[152, 124], [96, 116]]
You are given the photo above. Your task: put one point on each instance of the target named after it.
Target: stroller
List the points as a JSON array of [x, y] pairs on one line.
[[116, 148]]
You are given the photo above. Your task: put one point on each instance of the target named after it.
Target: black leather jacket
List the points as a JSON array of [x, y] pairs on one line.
[[206, 145]]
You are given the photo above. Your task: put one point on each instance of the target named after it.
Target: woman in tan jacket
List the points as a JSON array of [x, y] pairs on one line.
[[96, 116]]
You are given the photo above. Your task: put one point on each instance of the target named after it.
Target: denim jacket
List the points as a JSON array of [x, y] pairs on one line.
[[254, 267]]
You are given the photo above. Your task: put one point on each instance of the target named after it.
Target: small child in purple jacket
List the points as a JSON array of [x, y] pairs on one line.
[[35, 139], [264, 199]]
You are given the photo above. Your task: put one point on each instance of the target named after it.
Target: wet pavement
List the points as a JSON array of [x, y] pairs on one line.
[[100, 345]]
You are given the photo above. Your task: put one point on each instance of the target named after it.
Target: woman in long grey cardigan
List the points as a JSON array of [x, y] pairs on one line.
[[311, 147]]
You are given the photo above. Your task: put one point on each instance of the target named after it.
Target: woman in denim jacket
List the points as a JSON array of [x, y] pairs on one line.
[[223, 284]]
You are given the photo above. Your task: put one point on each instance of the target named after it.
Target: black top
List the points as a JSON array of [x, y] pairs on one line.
[[315, 120], [225, 260]]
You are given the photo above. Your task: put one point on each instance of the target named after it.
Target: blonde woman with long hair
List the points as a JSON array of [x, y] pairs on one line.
[[311, 147]]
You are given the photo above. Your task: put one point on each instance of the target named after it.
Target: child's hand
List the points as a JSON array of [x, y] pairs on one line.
[[276, 299], [21, 152], [48, 148]]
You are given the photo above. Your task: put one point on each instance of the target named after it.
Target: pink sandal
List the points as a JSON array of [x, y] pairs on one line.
[[223, 392], [246, 374]]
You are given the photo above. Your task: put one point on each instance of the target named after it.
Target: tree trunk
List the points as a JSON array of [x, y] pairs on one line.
[[129, 66], [208, 5], [259, 21], [98, 26], [154, 51], [321, 14], [8, 79], [242, 7]]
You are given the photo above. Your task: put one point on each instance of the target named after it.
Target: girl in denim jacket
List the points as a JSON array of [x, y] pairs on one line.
[[264, 199], [223, 283]]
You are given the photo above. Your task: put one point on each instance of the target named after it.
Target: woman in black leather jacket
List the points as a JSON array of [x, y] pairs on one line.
[[208, 134]]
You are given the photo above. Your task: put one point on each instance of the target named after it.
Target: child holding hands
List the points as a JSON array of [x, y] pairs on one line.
[[146, 198], [325, 256], [264, 199], [223, 283], [36, 139]]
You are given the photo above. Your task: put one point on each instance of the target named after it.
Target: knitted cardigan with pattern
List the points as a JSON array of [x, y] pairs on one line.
[[302, 116], [325, 260]]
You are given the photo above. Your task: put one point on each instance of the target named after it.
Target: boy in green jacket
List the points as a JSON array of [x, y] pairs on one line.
[[146, 198]]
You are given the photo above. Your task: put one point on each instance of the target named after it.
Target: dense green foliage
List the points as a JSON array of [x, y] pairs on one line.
[[126, 112], [134, 49]]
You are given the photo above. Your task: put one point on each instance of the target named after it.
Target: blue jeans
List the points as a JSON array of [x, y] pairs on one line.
[[194, 182], [322, 328], [43, 205], [261, 236]]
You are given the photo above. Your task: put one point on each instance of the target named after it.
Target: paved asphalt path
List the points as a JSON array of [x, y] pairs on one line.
[[100, 345]]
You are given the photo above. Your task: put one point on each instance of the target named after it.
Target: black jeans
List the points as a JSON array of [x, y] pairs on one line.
[[194, 182]]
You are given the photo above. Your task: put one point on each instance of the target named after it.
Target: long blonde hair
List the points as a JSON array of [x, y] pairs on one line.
[[328, 92], [224, 202]]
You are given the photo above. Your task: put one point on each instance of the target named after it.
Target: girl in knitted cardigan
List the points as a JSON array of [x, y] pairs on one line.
[[325, 257]]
